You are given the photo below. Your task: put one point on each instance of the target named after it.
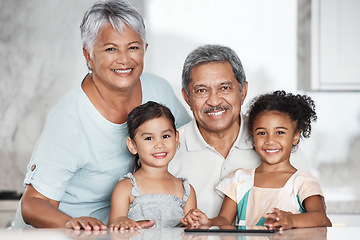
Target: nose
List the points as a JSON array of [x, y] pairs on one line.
[[122, 57], [159, 144], [214, 98], [269, 139]]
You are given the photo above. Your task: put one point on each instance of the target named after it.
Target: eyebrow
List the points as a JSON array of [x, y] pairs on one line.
[[149, 133], [221, 84], [134, 42], [110, 43], [262, 128]]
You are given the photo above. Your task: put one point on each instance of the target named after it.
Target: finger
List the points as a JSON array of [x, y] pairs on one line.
[[96, 224], [73, 224], [146, 223], [191, 221], [84, 224], [272, 215], [184, 221]]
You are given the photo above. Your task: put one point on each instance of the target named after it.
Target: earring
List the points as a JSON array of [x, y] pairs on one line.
[[89, 69]]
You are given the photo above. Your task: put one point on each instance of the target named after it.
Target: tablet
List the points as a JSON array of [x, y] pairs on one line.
[[233, 229]]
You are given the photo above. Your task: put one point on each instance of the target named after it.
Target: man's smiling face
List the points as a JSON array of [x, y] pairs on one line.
[[215, 97]]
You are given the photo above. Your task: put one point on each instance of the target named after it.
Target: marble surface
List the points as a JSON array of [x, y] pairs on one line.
[[178, 234]]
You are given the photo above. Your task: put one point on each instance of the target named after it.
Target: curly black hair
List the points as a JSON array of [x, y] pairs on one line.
[[300, 108]]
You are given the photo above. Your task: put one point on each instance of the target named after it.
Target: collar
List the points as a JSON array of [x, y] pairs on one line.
[[195, 142]]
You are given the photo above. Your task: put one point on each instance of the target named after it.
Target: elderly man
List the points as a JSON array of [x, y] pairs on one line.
[[216, 141]]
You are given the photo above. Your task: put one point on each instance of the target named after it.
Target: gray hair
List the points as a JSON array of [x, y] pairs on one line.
[[117, 13], [212, 53]]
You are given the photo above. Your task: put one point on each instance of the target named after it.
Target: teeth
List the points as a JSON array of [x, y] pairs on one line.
[[159, 154], [216, 113], [272, 151], [122, 71]]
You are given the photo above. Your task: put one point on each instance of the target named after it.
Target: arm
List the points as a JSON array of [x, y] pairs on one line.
[[226, 216], [227, 213], [191, 201], [314, 217], [120, 201], [42, 212]]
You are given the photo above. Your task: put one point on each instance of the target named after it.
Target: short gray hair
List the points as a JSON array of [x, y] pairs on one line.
[[212, 53], [117, 13]]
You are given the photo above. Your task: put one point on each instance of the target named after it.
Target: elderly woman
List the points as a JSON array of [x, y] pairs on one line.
[[82, 153]]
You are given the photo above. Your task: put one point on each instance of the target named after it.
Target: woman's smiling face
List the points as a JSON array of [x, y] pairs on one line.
[[117, 59]]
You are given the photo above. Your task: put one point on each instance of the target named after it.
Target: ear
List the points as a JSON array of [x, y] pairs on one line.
[[177, 138], [243, 91], [296, 138], [146, 46], [131, 146], [185, 96], [88, 58]]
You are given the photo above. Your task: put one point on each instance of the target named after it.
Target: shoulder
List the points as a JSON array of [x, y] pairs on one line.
[[242, 173], [304, 176], [306, 184], [65, 111], [238, 176], [187, 127], [154, 80], [123, 185]]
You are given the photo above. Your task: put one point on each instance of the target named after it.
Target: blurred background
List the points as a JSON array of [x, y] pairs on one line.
[[301, 46]]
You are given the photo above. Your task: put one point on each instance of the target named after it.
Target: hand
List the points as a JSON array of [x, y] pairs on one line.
[[279, 219], [86, 223], [195, 218], [123, 223]]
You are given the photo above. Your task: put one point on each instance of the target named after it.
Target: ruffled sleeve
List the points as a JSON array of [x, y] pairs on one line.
[[135, 189], [306, 185], [237, 184], [186, 190]]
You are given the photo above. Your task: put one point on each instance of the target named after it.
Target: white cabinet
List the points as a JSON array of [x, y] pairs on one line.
[[330, 58]]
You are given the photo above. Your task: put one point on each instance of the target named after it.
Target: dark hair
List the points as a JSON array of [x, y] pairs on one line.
[[143, 113], [300, 108], [208, 54]]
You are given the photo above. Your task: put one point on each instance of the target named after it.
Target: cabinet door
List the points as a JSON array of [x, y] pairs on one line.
[[335, 52]]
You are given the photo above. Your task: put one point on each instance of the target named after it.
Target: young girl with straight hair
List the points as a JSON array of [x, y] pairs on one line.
[[151, 193]]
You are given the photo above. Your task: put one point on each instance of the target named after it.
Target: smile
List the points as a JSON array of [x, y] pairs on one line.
[[123, 71], [159, 154], [272, 151], [216, 113]]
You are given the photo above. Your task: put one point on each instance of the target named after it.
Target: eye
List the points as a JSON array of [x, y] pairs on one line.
[[200, 90], [148, 138], [111, 49], [166, 136], [260, 133], [280, 132], [134, 48], [225, 87]]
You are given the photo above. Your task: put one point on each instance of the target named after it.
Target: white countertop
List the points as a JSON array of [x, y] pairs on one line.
[[178, 233]]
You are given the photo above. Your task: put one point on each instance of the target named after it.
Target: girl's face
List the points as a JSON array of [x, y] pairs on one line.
[[274, 136], [117, 58], [156, 142]]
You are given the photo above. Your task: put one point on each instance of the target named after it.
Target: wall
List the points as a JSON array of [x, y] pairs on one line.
[[42, 59]]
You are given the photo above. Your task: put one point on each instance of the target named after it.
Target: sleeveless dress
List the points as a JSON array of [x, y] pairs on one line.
[[166, 210]]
